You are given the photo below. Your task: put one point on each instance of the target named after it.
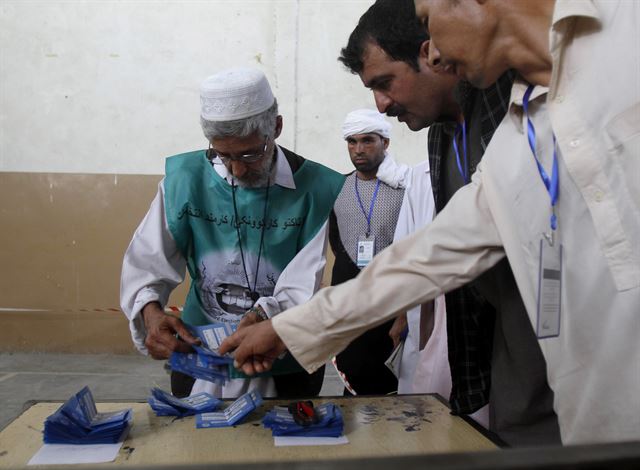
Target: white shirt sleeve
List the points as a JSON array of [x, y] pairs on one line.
[[301, 278], [460, 244], [417, 208], [151, 269]]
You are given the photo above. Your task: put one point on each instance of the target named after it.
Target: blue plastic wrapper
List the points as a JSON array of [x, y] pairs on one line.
[[205, 363], [165, 404], [200, 366], [282, 423], [233, 414], [77, 421]]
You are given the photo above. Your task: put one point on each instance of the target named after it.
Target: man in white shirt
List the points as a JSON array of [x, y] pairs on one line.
[[362, 224], [247, 217], [493, 354], [575, 256]]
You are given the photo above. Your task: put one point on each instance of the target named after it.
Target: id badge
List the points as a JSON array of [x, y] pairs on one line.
[[549, 290], [365, 251]]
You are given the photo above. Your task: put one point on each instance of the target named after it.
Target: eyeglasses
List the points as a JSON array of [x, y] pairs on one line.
[[244, 158]]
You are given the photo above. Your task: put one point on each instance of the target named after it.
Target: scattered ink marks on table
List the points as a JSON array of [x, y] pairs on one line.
[[368, 414]]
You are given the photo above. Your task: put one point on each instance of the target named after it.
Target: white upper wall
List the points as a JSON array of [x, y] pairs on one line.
[[112, 86]]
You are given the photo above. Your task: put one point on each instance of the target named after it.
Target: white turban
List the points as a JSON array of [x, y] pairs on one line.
[[233, 94], [365, 121]]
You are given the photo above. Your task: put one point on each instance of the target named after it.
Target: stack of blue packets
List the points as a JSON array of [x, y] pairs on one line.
[[78, 422], [281, 422], [232, 414], [205, 363], [165, 404]]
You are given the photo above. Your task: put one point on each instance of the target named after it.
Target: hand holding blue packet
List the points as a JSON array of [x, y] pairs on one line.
[[200, 366], [212, 336], [205, 363]]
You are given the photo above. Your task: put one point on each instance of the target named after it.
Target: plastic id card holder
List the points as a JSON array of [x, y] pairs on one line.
[[549, 290], [366, 249]]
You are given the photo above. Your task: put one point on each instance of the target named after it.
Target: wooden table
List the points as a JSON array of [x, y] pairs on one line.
[[375, 426]]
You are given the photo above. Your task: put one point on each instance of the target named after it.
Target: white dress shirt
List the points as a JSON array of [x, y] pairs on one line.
[[593, 106], [432, 374]]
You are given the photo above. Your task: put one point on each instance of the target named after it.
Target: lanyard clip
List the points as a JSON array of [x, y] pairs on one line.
[[554, 225]]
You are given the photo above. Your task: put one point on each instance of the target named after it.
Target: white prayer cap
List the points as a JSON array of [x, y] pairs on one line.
[[365, 121], [235, 93]]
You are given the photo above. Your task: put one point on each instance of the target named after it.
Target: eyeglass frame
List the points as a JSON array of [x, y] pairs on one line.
[[246, 158]]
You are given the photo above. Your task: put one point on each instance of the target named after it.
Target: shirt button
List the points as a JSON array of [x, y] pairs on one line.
[[559, 99], [574, 143], [598, 195]]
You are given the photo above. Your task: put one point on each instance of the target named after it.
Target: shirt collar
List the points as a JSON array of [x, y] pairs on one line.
[[284, 175], [565, 14], [565, 9], [517, 94]]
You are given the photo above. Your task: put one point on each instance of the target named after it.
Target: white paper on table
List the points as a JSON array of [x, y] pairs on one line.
[[72, 453], [282, 441]]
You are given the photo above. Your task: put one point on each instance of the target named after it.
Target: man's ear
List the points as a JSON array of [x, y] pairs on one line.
[[278, 127], [385, 140], [423, 53]]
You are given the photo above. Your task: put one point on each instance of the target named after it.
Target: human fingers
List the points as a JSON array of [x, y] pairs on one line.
[[253, 341], [232, 342], [157, 348], [179, 327]]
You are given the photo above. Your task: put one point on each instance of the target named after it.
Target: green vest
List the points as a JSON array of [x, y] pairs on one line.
[[200, 214]]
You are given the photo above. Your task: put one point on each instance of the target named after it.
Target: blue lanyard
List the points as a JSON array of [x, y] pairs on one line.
[[464, 172], [373, 201], [553, 184]]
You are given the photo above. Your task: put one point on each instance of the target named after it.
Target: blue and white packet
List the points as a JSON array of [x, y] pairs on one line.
[[205, 363], [282, 423], [233, 414], [212, 336], [77, 421], [165, 404], [200, 366]]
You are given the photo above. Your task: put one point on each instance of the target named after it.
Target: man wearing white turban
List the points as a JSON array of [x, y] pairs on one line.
[[362, 224], [247, 218]]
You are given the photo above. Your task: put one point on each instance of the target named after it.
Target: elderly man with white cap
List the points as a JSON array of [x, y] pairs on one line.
[[247, 218], [362, 224]]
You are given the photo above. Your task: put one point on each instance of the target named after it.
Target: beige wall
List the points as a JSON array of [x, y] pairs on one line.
[[61, 251]]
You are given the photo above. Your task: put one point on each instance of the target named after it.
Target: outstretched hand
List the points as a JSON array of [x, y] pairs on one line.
[[256, 347], [161, 328]]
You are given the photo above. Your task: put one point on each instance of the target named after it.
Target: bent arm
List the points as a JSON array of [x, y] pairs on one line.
[[461, 243], [151, 269], [301, 278]]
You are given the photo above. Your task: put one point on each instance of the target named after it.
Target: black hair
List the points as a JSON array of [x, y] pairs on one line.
[[392, 25]]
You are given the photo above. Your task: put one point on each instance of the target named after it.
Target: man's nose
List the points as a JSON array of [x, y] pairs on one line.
[[382, 101], [359, 148], [238, 169]]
